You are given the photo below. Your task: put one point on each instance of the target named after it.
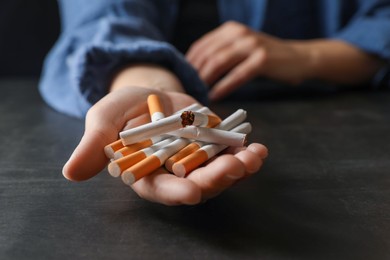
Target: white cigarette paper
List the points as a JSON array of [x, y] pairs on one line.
[[165, 125], [227, 124], [151, 129], [233, 120], [211, 135], [213, 149]]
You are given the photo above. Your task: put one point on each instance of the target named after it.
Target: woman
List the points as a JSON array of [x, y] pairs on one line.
[[123, 51]]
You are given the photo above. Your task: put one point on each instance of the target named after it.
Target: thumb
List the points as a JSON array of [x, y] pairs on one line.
[[88, 159], [102, 125]]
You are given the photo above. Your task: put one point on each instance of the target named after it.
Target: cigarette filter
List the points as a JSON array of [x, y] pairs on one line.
[[156, 110], [115, 168], [132, 148], [111, 148], [192, 161], [152, 162], [189, 149]]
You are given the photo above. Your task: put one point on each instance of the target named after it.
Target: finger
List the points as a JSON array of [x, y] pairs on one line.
[[259, 149], [218, 175], [103, 122], [244, 72], [199, 45], [208, 45], [220, 63], [78, 167], [167, 189], [228, 30], [252, 157], [224, 171], [106, 119]]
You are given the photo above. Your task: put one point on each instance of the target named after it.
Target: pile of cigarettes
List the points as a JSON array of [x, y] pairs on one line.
[[180, 142]]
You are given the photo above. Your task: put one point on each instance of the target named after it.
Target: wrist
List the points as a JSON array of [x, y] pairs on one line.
[[146, 75], [308, 60], [336, 61]]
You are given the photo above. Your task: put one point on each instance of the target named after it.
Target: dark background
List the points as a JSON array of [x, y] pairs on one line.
[[28, 29], [323, 192]]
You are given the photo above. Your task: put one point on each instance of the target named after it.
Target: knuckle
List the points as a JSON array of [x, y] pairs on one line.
[[218, 60], [261, 57], [238, 28], [251, 42], [92, 112], [231, 23], [243, 30]]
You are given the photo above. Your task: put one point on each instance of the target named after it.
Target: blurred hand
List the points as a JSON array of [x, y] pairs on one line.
[[233, 54], [127, 107]]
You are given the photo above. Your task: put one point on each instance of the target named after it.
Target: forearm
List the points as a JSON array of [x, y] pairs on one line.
[[146, 75], [337, 61]]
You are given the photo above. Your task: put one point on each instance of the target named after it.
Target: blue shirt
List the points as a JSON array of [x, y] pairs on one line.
[[99, 37]]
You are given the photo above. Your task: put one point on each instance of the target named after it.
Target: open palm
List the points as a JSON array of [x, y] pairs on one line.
[[126, 108]]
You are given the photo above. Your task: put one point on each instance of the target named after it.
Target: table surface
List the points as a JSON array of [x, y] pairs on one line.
[[323, 192]]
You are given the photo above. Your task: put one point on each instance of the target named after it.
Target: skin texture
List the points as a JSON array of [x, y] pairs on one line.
[[126, 107], [225, 58], [233, 54]]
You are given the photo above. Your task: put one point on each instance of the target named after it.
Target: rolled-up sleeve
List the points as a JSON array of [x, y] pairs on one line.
[[369, 30], [101, 37]]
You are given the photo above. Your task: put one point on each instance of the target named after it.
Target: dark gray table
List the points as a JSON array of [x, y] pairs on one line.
[[323, 193]]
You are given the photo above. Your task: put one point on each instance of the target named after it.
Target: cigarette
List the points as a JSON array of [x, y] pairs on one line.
[[205, 120], [132, 148], [167, 124], [111, 148], [226, 124], [192, 161], [156, 110], [189, 149], [233, 120], [129, 149], [117, 150], [211, 135], [115, 168], [152, 162], [192, 107]]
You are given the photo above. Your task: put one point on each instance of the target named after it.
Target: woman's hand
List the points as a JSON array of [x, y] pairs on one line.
[[233, 54], [126, 107]]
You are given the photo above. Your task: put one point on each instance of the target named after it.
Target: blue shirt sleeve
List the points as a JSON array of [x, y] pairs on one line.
[[369, 30], [100, 38], [362, 23]]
